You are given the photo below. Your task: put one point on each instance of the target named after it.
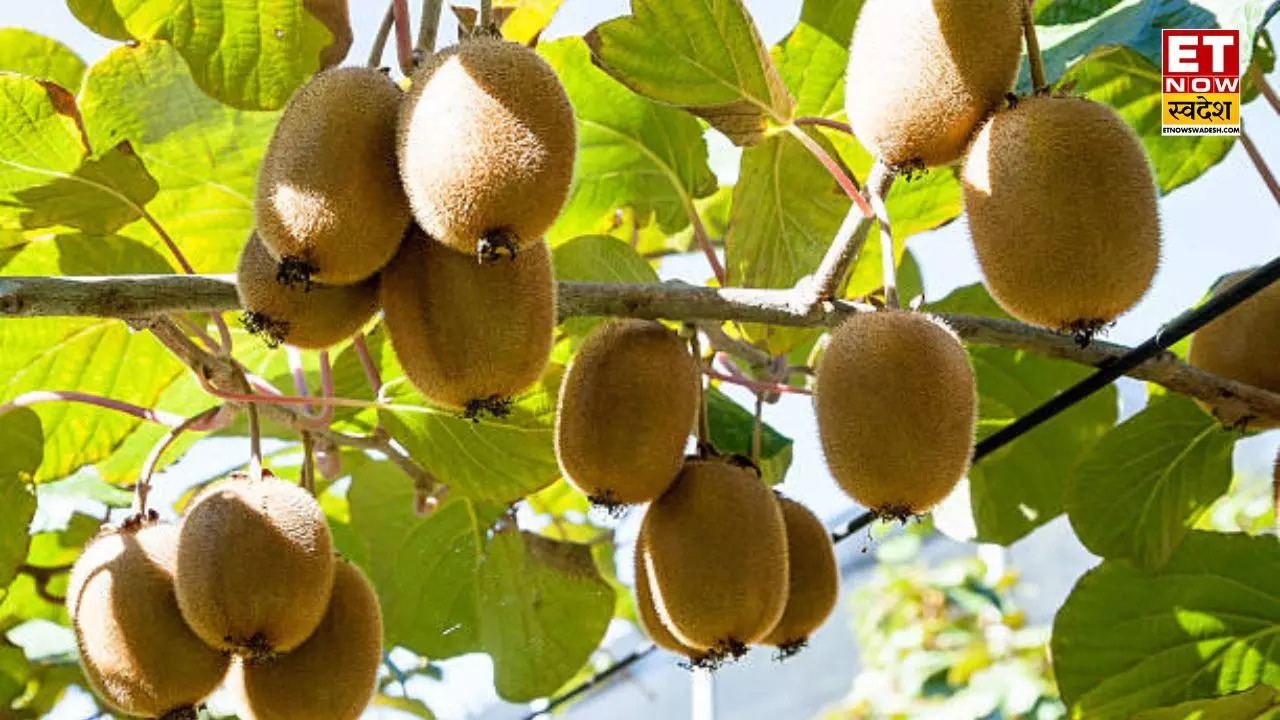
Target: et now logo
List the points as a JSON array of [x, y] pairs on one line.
[[1200, 82]]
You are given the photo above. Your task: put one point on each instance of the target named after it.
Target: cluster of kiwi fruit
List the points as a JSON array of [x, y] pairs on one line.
[[720, 562], [430, 204], [1058, 190], [161, 610]]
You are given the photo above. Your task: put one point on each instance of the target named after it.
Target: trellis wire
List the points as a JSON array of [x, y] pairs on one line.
[[1107, 373]]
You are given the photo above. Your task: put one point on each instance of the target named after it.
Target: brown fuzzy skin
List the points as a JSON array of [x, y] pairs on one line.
[[467, 332], [486, 144], [1242, 344], [312, 319], [627, 405], [255, 566], [652, 624], [1062, 211], [922, 75], [717, 557], [136, 651], [328, 189], [814, 577], [896, 405], [334, 673]]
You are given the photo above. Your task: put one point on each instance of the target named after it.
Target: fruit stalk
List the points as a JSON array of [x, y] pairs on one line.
[[380, 39], [847, 244], [1267, 91], [404, 41], [695, 348], [307, 474], [842, 179], [366, 362], [888, 257], [486, 14], [429, 26], [1267, 177], [1036, 63], [704, 242], [202, 421]]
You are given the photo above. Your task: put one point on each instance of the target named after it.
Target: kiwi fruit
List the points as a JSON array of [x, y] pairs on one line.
[[329, 205], [486, 143], [648, 613], [1242, 344], [627, 406], [314, 318], [896, 403], [922, 75], [716, 558], [334, 673], [814, 579], [469, 336], [255, 566], [138, 654], [1062, 211]]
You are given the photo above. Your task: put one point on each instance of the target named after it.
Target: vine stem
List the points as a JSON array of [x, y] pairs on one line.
[[160, 417], [757, 429], [366, 362], [299, 375], [1264, 170], [1035, 62], [1267, 91], [307, 475], [758, 386], [847, 244], [888, 258], [695, 349], [824, 122], [404, 36], [486, 14], [845, 182], [704, 242], [255, 442], [429, 27], [207, 420], [380, 40]]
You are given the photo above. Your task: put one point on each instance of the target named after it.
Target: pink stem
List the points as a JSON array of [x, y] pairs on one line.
[[285, 399], [160, 417], [326, 387], [261, 385], [700, 233], [756, 385], [366, 362], [224, 332], [404, 39], [299, 375], [833, 167], [200, 334], [825, 122]]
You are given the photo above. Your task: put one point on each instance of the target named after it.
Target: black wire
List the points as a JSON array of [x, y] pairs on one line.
[[1107, 373]]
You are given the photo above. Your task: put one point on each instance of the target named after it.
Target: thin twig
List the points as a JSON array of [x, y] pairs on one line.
[[757, 429], [160, 417], [404, 36], [367, 363], [307, 475], [486, 14], [1258, 162], [429, 27], [824, 122], [721, 341], [695, 349], [294, 359], [842, 178], [1034, 60], [759, 386], [888, 256], [825, 282], [199, 422], [704, 242], [380, 40], [255, 443], [1267, 91]]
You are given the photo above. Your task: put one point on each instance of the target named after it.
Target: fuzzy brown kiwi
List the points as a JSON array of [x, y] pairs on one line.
[[329, 205], [896, 405], [334, 673], [1242, 344], [138, 654], [716, 558], [627, 406], [647, 612], [313, 318], [1062, 211], [814, 579], [469, 336], [486, 144], [922, 74], [255, 566]]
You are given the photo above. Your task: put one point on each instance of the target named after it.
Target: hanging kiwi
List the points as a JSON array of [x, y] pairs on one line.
[[255, 566], [1242, 344], [922, 74], [314, 318], [648, 612], [486, 145], [716, 558], [334, 673], [814, 579], [1062, 211], [627, 406], [329, 205], [469, 336], [138, 654], [896, 405]]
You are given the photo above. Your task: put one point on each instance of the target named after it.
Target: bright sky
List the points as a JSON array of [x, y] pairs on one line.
[[1225, 221]]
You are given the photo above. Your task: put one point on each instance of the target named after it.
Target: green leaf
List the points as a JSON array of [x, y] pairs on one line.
[[39, 135], [631, 152], [545, 609], [705, 56], [497, 461], [29, 53], [1130, 84], [812, 58], [250, 56], [101, 196], [21, 602], [101, 17], [203, 155], [528, 18], [598, 258], [24, 449], [424, 568], [14, 672], [731, 429], [1204, 624], [1261, 702], [1019, 487], [1140, 490], [411, 706]]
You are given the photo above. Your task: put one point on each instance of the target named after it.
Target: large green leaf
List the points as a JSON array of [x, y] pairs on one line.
[[632, 152], [1204, 624], [101, 17], [39, 134], [203, 155], [1019, 487], [703, 55], [812, 58], [732, 427], [1130, 83], [1262, 702], [29, 53], [544, 609], [24, 449], [1140, 490], [247, 55], [101, 196]]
